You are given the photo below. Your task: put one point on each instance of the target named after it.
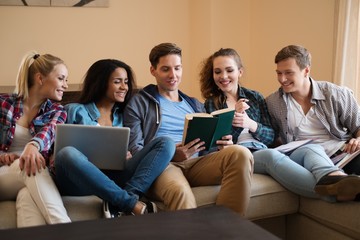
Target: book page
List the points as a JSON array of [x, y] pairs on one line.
[[190, 116], [286, 148], [347, 158], [220, 111]]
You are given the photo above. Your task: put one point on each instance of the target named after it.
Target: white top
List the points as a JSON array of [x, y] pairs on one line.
[[21, 137], [309, 127]]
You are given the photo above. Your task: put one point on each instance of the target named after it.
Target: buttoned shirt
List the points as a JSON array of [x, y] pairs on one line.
[[334, 106], [258, 112], [42, 127], [88, 114]]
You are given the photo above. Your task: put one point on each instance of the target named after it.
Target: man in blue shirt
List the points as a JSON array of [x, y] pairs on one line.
[[160, 110]]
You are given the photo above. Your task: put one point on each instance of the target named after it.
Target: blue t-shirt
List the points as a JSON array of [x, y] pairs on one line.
[[173, 117]]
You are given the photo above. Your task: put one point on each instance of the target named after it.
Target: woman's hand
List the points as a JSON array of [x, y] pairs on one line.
[[244, 121], [8, 158], [224, 142], [241, 105], [184, 152], [31, 160]]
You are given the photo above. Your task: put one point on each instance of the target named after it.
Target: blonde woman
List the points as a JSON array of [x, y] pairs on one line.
[[28, 118]]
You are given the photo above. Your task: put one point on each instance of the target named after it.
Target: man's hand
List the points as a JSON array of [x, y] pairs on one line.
[[184, 152], [353, 145], [31, 160], [128, 155], [8, 158], [224, 142]]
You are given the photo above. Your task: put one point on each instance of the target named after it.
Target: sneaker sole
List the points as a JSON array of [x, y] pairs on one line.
[[344, 187]]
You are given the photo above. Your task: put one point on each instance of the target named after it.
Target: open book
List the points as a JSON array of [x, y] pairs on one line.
[[208, 127], [341, 158], [291, 146]]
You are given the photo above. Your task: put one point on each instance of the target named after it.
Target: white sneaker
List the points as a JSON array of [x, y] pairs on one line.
[[111, 211]]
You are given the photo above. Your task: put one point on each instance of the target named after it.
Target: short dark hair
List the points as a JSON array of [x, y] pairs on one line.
[[96, 81], [299, 53], [161, 50]]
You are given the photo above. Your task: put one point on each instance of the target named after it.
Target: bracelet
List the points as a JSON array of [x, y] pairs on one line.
[[34, 143]]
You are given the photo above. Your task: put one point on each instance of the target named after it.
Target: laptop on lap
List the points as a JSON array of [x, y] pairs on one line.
[[105, 147]]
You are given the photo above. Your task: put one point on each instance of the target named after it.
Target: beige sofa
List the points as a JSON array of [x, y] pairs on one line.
[[271, 206]]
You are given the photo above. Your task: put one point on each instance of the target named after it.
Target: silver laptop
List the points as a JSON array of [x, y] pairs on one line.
[[105, 147]]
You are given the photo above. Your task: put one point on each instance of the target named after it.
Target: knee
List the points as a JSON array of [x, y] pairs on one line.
[[240, 156], [166, 144], [65, 156], [268, 156], [312, 147], [23, 195]]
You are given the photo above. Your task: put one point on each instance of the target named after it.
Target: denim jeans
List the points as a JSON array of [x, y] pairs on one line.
[[299, 172], [76, 175]]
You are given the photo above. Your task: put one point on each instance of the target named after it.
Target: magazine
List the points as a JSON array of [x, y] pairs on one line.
[[291, 146]]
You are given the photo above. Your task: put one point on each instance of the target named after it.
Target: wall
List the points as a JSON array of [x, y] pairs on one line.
[[128, 29]]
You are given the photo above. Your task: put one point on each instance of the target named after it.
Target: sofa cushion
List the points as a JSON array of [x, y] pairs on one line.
[[7, 214], [83, 208], [268, 198], [343, 217]]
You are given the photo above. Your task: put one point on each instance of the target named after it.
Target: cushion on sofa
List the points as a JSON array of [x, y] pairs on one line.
[[7, 214], [338, 216], [268, 198], [83, 208]]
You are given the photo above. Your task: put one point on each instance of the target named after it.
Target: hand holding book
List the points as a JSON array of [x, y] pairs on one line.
[[208, 127], [342, 157]]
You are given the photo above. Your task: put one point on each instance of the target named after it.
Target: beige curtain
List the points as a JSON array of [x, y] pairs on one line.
[[347, 49]]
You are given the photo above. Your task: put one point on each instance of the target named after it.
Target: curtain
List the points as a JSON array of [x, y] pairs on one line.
[[347, 45]]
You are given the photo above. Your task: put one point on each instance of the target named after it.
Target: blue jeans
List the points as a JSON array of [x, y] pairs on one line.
[[299, 172], [75, 175]]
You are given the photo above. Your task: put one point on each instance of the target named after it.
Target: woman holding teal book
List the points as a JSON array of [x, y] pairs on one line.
[[302, 169]]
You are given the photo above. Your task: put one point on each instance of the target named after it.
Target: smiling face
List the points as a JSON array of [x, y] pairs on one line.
[[118, 86], [55, 83], [226, 73], [291, 78], [168, 73]]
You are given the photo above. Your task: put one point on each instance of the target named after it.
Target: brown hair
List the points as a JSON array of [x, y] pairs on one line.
[[299, 53], [207, 83], [161, 50]]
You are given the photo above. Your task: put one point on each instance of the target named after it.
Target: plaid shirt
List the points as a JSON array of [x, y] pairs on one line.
[[334, 106], [258, 112], [42, 127]]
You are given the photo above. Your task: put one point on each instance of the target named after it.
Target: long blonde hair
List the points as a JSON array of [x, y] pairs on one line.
[[31, 64]]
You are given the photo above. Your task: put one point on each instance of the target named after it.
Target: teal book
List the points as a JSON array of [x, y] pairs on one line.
[[209, 127]]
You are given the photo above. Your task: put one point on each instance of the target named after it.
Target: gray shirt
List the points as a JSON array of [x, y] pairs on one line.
[[335, 107]]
